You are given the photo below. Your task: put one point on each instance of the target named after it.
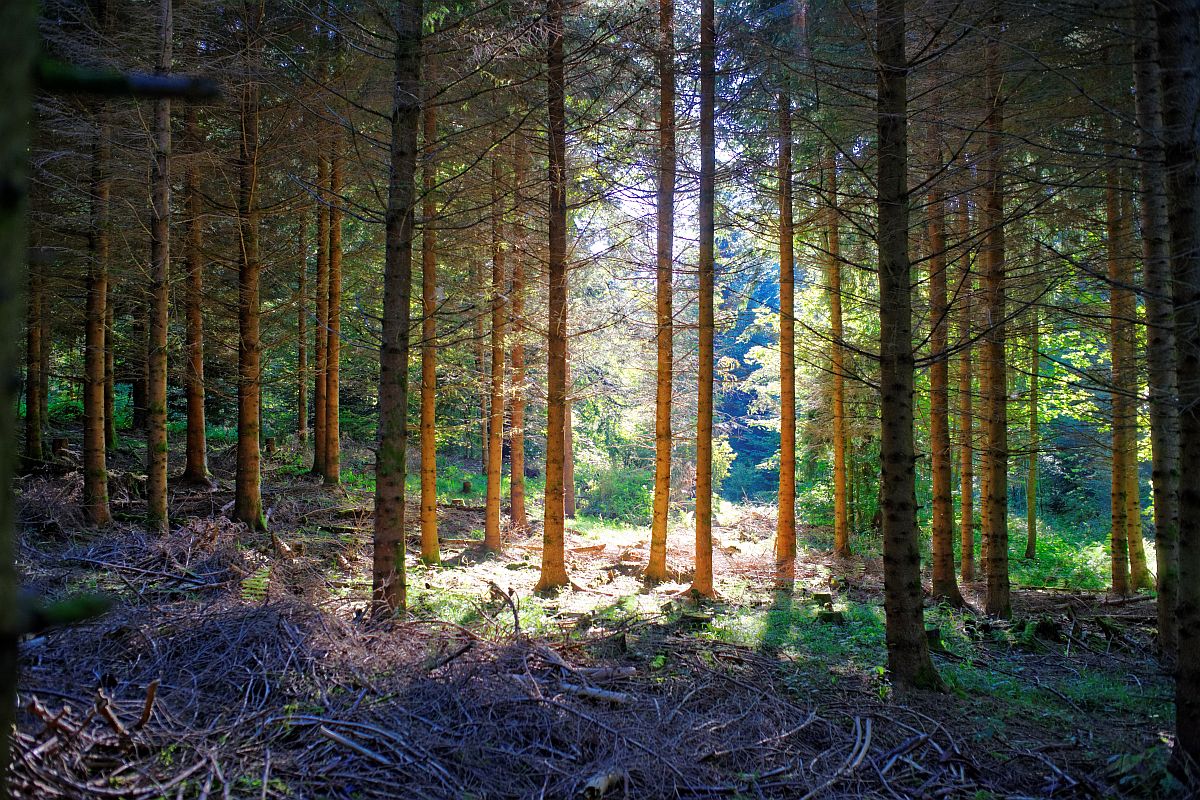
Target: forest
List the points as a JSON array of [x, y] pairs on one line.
[[584, 399]]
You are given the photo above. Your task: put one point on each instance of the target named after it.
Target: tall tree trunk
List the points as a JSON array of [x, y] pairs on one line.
[[702, 581], [301, 329], [516, 463], [481, 367], [333, 356], [1179, 61], [997, 602], [35, 452], [966, 444], [554, 570], [656, 569], [945, 586], [160, 298], [495, 466], [908, 650], [837, 360], [321, 335], [247, 504], [110, 377], [785, 529], [196, 459], [19, 43], [388, 568], [1160, 326], [95, 471], [1031, 475], [1119, 300], [430, 549]]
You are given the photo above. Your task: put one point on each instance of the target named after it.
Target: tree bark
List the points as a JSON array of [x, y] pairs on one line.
[[333, 356], [518, 516], [1160, 325], [389, 588], [837, 361], [997, 602], [160, 299], [554, 570], [785, 529], [656, 569], [480, 363], [945, 586], [321, 335], [702, 581], [430, 549], [247, 505], [1179, 61], [196, 459], [966, 444], [908, 650], [1119, 301], [95, 471], [301, 329], [495, 466]]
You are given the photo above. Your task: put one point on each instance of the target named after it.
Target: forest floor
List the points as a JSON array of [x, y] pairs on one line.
[[242, 665]]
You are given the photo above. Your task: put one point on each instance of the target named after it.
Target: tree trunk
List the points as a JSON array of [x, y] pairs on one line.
[[301, 329], [1031, 475], [945, 586], [966, 444], [1179, 60], [837, 361], [518, 516], [196, 460], [785, 529], [95, 471], [997, 602], [702, 581], [908, 650], [1119, 300], [495, 466], [247, 506], [389, 587], [554, 570], [480, 363], [333, 357], [1160, 327], [19, 43], [160, 298], [430, 549], [656, 569], [35, 452], [321, 336]]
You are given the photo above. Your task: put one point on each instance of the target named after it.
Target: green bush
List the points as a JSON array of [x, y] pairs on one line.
[[65, 411], [617, 493]]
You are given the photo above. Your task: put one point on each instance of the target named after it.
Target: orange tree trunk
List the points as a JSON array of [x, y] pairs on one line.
[[301, 329], [95, 471], [837, 365], [554, 570], [908, 651], [196, 458], [480, 363], [516, 434], [388, 568], [656, 569], [785, 529], [702, 581], [430, 551], [1120, 403], [966, 444], [160, 299], [333, 356], [247, 505], [996, 536], [321, 336], [1179, 59], [1160, 327], [945, 585], [495, 466]]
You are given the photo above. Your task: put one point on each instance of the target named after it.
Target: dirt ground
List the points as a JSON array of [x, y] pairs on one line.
[[240, 665]]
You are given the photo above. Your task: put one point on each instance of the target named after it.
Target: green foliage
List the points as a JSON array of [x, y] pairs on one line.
[[65, 411], [616, 493]]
